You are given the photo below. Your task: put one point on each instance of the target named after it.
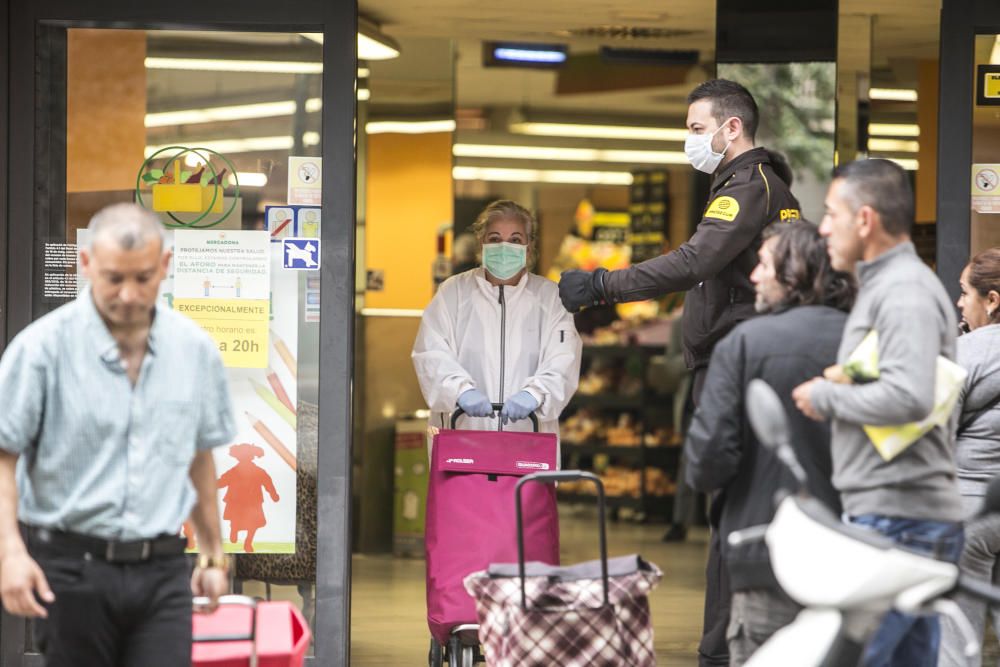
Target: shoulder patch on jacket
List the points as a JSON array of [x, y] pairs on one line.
[[723, 208]]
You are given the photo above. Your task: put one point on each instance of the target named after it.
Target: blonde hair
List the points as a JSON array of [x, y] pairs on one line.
[[505, 209]]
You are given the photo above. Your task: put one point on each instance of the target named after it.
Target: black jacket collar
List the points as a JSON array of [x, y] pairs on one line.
[[752, 156]]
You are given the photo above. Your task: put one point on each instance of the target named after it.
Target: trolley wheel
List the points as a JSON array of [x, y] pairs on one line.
[[455, 652], [468, 656], [435, 657]]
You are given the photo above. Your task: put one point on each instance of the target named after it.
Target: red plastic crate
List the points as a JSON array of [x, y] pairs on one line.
[[282, 636]]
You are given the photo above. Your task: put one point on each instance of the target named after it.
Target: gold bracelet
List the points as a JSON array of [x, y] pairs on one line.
[[206, 562]]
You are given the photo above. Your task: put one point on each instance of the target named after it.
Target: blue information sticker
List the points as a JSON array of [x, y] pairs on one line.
[[300, 254]]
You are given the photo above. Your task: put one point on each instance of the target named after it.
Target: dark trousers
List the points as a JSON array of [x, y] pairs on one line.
[[713, 651], [116, 615]]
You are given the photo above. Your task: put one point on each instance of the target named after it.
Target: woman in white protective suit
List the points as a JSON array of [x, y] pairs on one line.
[[498, 334]]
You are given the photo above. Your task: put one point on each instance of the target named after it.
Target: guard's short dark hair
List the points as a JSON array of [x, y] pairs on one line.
[[728, 99], [882, 185], [802, 267]]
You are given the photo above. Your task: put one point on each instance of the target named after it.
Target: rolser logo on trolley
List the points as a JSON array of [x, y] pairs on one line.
[[532, 465], [466, 461]]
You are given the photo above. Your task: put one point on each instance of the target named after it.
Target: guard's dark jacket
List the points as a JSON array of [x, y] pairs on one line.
[[715, 264], [783, 349]]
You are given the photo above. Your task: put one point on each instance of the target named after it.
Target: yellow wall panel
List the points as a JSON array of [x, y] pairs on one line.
[[409, 197]]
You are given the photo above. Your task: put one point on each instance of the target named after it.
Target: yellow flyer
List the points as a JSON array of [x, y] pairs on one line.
[[239, 327]]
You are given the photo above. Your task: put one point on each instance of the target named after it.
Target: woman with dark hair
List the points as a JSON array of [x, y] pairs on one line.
[[977, 447]]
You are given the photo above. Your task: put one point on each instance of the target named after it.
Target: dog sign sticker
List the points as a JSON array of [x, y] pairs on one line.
[[300, 254]]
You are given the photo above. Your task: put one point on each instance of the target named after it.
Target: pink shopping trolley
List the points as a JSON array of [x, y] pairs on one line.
[[471, 523]]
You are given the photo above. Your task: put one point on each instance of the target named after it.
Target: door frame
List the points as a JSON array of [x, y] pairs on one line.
[[961, 21], [337, 20]]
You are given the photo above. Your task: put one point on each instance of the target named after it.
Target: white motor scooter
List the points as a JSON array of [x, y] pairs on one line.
[[846, 577]]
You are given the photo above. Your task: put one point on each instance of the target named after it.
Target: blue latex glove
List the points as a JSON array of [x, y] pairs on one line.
[[475, 403], [518, 406]]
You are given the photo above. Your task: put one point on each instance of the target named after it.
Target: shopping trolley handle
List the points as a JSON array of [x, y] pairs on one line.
[[202, 604], [562, 476], [497, 407]]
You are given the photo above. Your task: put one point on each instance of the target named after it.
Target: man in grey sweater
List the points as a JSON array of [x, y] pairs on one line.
[[912, 498]]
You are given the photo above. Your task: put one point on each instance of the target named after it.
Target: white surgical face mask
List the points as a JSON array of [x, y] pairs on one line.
[[698, 149], [504, 260]]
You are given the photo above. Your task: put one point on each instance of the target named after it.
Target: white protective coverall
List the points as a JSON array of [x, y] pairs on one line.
[[500, 340]]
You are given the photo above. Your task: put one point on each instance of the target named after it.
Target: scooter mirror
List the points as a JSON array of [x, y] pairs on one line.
[[767, 415], [991, 502], [770, 423]]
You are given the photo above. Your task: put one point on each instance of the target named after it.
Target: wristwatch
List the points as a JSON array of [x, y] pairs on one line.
[[206, 561]]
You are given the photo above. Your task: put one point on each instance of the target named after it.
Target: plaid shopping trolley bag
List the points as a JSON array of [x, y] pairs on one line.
[[593, 614]]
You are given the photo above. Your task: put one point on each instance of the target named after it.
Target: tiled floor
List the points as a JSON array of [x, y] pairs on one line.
[[389, 628], [388, 620]]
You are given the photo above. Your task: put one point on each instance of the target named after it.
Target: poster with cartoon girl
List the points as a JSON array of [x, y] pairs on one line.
[[244, 500]]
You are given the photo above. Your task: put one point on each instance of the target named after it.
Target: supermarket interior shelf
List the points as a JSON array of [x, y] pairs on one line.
[[618, 351], [592, 447], [658, 505], [621, 427], [607, 400], [611, 501]]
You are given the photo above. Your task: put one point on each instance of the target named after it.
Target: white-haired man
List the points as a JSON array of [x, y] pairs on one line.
[[112, 407]]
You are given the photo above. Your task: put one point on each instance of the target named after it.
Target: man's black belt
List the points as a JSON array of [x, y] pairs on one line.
[[63, 543]]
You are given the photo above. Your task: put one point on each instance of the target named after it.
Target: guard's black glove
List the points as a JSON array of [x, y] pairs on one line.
[[578, 289]]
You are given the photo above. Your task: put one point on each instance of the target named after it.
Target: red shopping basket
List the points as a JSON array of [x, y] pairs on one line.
[[244, 632]]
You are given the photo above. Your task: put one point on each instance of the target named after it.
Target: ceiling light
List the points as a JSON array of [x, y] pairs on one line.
[[231, 113], [650, 157], [893, 94], [893, 145], [370, 48], [364, 94], [216, 114], [508, 54], [600, 131], [373, 44], [364, 72], [249, 179], [995, 54], [906, 163], [528, 55], [542, 176], [409, 127], [245, 145], [567, 154], [893, 130], [221, 65]]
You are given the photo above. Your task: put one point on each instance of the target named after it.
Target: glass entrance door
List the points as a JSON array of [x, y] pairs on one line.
[[226, 134], [968, 202]]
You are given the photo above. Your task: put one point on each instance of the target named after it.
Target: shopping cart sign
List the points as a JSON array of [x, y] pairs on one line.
[[300, 254]]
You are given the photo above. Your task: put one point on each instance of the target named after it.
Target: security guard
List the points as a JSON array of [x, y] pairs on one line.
[[750, 191]]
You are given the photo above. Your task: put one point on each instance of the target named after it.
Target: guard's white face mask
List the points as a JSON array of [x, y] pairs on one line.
[[698, 149]]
